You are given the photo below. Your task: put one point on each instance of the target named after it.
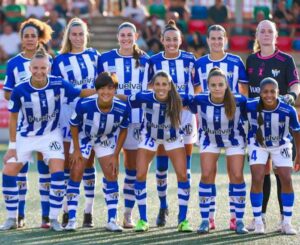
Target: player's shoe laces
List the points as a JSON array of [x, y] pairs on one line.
[[204, 227], [161, 217], [9, 224], [240, 227], [184, 226], [87, 220], [259, 228], [288, 229], [65, 219], [113, 226], [55, 225], [127, 221], [141, 226], [45, 222], [232, 224], [212, 224], [21, 221], [71, 226]]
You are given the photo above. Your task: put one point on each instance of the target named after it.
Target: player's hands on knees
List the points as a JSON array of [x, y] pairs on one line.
[[297, 163], [11, 155], [75, 158]]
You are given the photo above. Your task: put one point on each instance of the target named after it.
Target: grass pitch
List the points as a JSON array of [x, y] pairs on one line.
[[167, 235]]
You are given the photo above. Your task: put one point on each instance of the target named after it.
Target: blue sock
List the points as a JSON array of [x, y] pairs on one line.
[[212, 206], [239, 199], [57, 193], [10, 195], [22, 186], [162, 179], [112, 199], [188, 166], [128, 189], [183, 199], [205, 192], [44, 186], [89, 179], [141, 198], [287, 204], [73, 191], [256, 202]]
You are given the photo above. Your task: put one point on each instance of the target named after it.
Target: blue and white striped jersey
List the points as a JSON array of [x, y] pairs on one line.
[[40, 107], [232, 65], [17, 70], [97, 126], [180, 69], [79, 69], [157, 124], [277, 123], [131, 79], [214, 125]]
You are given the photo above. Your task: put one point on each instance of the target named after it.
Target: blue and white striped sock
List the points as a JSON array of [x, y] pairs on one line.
[[256, 202], [162, 179], [231, 201], [141, 198], [44, 186], [73, 191], [89, 180], [205, 193], [188, 167], [22, 187], [239, 199], [112, 199], [212, 206], [183, 199], [10, 195], [57, 193], [128, 190], [287, 204]]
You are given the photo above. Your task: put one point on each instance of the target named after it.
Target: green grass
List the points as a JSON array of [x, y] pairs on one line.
[[166, 235]]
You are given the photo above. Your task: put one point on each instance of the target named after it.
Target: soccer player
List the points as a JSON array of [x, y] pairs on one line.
[[39, 98], [234, 68], [180, 65], [34, 33], [93, 126], [162, 109], [130, 64], [221, 117], [80, 66], [269, 136], [268, 61]]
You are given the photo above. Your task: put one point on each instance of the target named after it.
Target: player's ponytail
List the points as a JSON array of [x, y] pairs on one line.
[[171, 26], [229, 100]]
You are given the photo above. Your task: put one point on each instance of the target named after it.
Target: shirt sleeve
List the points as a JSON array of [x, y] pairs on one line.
[[77, 118], [196, 76], [55, 71], [100, 67], [125, 121], [294, 122], [14, 104], [136, 100], [9, 81], [292, 72], [71, 92], [243, 78], [192, 103]]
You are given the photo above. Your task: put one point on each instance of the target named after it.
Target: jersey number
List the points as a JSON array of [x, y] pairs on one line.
[[253, 155], [149, 142]]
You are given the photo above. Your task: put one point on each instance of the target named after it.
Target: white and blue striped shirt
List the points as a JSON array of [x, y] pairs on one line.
[[40, 107], [97, 126]]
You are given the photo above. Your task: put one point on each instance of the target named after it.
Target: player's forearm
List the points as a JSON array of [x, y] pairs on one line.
[[13, 119], [121, 139], [87, 92], [295, 88], [74, 133], [7, 95], [244, 88]]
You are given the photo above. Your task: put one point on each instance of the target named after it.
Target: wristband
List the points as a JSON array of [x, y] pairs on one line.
[[293, 94], [12, 145]]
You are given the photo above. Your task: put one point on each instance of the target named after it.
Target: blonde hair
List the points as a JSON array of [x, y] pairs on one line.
[[256, 46], [66, 45]]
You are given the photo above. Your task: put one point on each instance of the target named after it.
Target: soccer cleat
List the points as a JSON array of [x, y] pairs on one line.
[[87, 220], [127, 221], [212, 224], [71, 226], [141, 226], [259, 228], [288, 229], [184, 226], [55, 225], [251, 225], [240, 228], [113, 226], [204, 227], [279, 226], [161, 217], [9, 224], [45, 222], [21, 222], [65, 219], [232, 224]]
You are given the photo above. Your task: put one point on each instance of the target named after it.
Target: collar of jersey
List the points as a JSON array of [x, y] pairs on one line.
[[163, 55], [112, 106], [275, 107], [124, 56], [267, 57], [39, 88], [213, 102], [208, 56]]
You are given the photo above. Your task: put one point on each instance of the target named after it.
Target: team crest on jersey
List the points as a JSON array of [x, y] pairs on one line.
[[217, 118], [229, 74], [127, 68], [188, 129], [55, 146], [173, 71], [275, 72], [186, 69], [268, 124], [285, 152]]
